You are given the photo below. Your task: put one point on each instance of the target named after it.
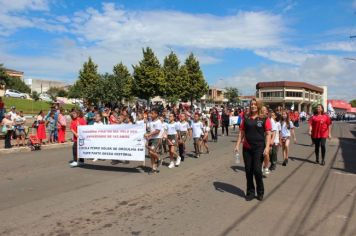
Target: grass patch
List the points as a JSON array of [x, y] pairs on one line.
[[30, 107]]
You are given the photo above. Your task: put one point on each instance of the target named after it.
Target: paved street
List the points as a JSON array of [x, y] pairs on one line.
[[41, 195]]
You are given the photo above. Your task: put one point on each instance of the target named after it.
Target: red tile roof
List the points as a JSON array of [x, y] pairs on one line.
[[289, 84]]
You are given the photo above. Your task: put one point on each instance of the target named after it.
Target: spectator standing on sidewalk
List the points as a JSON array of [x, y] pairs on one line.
[[20, 128], [41, 129], [2, 109], [7, 128], [61, 125]]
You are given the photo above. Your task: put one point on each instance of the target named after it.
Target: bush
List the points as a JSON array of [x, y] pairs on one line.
[[35, 96]]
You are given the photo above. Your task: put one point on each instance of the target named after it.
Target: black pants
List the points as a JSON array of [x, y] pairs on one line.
[[225, 127], [8, 139], [253, 168], [319, 142], [214, 132], [75, 153]]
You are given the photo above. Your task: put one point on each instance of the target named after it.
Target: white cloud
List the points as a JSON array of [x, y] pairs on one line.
[[332, 71], [288, 56], [345, 46], [249, 30], [22, 5]]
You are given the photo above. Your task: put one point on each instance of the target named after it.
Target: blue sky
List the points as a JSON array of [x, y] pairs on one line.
[[238, 43]]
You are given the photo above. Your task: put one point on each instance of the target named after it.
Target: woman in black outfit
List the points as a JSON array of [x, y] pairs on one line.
[[255, 133]]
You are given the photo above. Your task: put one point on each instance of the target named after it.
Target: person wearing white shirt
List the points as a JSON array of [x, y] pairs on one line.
[[184, 133], [162, 146], [13, 113], [172, 138], [197, 131], [287, 129], [155, 127], [205, 135], [276, 128]]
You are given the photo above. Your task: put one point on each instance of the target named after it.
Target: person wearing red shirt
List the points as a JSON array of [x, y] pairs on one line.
[[319, 130], [255, 133], [76, 121]]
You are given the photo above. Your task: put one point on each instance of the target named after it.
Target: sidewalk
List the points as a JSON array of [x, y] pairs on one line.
[[28, 149]]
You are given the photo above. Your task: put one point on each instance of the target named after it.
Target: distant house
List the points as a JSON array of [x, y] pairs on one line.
[[42, 85], [13, 74]]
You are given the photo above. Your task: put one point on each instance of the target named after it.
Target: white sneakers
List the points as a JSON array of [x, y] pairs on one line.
[[178, 161], [76, 164], [265, 171], [171, 165]]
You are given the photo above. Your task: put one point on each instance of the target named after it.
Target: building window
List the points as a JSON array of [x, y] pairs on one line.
[[294, 94], [277, 94], [306, 95]]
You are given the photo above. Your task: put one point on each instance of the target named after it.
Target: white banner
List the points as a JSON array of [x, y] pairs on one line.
[[112, 142], [234, 120]]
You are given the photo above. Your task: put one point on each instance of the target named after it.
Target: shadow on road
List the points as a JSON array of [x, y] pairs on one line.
[[238, 168], [224, 187], [348, 147], [114, 168], [301, 159]]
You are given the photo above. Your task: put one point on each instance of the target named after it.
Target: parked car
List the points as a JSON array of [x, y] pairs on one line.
[[45, 97], [15, 94]]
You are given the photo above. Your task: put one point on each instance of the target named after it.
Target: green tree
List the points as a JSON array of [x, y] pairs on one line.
[[62, 93], [89, 80], [197, 85], [74, 91], [120, 83], [353, 103], [172, 77], [148, 76], [35, 96], [232, 95], [3, 76], [53, 93]]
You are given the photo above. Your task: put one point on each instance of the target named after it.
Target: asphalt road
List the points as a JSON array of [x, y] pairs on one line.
[[41, 195]]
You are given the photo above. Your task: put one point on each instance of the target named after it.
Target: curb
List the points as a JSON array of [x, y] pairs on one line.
[[27, 149]]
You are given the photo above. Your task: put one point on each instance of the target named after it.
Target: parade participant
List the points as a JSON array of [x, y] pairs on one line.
[[205, 136], [214, 123], [97, 121], [113, 118], [7, 129], [172, 138], [76, 121], [197, 131], [41, 129], [89, 117], [155, 127], [184, 133], [225, 121], [319, 130], [140, 119], [20, 128], [263, 115], [105, 116], [287, 129], [276, 128], [255, 134], [163, 136], [62, 125]]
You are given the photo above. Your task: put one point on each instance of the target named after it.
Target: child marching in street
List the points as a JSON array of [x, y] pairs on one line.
[[184, 133], [287, 129], [172, 139], [197, 131]]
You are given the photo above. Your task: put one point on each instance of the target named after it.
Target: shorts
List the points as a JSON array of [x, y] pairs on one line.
[[196, 140], [153, 144], [172, 140], [183, 136], [20, 133]]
